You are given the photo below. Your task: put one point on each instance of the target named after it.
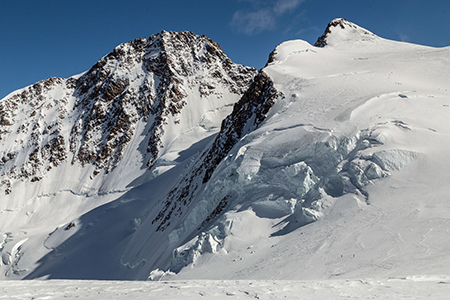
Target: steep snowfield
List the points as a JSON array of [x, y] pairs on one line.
[[68, 146], [333, 164]]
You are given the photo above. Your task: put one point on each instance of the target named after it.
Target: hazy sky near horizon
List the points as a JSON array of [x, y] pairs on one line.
[[41, 39]]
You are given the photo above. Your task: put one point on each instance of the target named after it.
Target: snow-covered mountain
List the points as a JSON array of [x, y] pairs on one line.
[[332, 162], [70, 145]]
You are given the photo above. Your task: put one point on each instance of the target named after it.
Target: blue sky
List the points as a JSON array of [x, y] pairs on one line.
[[41, 39]]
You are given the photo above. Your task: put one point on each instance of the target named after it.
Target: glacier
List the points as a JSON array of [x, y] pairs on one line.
[[330, 162]]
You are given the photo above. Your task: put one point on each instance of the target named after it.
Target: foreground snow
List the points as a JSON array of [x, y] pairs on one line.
[[411, 287]]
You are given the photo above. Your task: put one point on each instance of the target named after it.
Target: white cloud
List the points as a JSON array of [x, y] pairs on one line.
[[263, 17], [283, 6], [253, 22]]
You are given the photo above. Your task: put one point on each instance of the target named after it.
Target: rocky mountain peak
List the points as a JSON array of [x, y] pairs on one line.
[[146, 81], [340, 30], [165, 65]]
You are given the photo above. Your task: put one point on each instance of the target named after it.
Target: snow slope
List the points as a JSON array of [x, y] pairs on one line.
[[68, 146], [332, 164], [357, 144]]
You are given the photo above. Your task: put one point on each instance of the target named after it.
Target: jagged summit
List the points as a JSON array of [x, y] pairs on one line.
[[143, 109], [340, 30], [180, 60]]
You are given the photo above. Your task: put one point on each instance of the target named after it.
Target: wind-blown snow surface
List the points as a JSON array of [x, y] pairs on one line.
[[345, 176], [412, 287]]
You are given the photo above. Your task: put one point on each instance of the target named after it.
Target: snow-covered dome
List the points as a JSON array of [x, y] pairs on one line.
[[342, 31]]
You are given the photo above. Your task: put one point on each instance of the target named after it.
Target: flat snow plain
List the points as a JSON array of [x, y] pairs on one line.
[[422, 287]]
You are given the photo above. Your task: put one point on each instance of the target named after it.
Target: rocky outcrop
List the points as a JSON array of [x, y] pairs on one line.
[[342, 24], [247, 115]]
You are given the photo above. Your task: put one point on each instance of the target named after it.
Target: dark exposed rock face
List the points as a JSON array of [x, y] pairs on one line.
[[252, 108], [271, 57], [91, 120], [247, 115], [322, 40]]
